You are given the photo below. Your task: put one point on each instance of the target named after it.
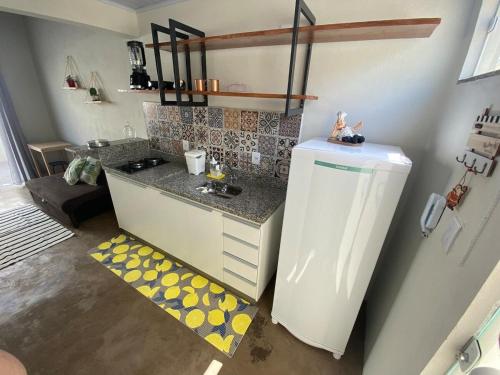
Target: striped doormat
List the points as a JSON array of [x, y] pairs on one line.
[[25, 231]]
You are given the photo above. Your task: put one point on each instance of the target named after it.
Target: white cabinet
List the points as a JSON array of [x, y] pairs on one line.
[[134, 205], [190, 232], [236, 252], [251, 252]]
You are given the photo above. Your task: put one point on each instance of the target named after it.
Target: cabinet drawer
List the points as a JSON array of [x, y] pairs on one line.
[[240, 268], [241, 249], [240, 284], [245, 231]]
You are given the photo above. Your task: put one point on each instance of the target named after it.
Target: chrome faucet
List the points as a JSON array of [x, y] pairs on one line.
[[232, 175]]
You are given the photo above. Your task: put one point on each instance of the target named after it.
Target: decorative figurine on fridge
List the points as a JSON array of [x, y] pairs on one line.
[[343, 134]]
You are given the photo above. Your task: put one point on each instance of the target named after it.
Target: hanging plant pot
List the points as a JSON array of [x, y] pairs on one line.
[[94, 93], [71, 81]]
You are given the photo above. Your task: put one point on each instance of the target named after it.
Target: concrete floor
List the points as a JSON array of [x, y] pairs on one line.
[[62, 313]]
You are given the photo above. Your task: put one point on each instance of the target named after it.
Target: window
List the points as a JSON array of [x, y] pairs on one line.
[[484, 51]]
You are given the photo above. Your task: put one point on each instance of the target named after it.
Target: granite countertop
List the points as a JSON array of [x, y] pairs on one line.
[[260, 197]]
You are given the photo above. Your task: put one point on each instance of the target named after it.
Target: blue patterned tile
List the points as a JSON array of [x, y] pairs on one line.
[[216, 152], [231, 139], [290, 126], [231, 157], [215, 117], [248, 142], [267, 145], [249, 121], [173, 114], [186, 115], [162, 112], [269, 123], [176, 131], [282, 169], [216, 137], [164, 127], [188, 133], [285, 145], [202, 135], [232, 119], [200, 116]]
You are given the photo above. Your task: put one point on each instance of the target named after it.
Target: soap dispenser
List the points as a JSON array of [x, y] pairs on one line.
[[214, 167]]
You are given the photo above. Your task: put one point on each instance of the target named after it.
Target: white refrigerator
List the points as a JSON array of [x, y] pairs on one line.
[[339, 205]]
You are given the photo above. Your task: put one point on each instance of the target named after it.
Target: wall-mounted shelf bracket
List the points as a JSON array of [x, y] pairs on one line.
[[174, 35], [300, 9], [174, 25]]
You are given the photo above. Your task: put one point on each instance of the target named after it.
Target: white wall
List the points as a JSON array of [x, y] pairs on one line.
[[22, 80], [93, 50], [89, 12], [420, 292], [479, 310], [394, 86]]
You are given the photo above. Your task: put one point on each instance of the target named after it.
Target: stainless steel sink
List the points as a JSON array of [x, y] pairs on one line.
[[220, 189]]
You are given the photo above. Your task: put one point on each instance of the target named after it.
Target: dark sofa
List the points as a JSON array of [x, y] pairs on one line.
[[70, 204]]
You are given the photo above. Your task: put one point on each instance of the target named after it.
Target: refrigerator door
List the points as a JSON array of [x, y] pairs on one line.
[[336, 219]]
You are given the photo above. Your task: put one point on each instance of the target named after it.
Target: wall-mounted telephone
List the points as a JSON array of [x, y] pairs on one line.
[[432, 213]]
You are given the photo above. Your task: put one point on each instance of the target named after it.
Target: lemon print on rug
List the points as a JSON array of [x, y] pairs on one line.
[[202, 305]]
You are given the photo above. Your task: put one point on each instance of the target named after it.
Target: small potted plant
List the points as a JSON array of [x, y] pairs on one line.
[[94, 94], [71, 81]]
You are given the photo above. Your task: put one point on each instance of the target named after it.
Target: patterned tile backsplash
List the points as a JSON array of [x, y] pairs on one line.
[[230, 135]]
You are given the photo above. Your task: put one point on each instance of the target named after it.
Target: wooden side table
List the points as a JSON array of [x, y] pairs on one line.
[[43, 149]]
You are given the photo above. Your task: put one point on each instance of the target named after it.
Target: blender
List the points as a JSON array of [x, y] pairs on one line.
[[139, 78]]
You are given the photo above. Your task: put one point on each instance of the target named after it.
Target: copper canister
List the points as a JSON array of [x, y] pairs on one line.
[[199, 84], [213, 85]]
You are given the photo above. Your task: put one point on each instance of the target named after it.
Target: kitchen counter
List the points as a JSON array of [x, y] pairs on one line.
[[260, 197]]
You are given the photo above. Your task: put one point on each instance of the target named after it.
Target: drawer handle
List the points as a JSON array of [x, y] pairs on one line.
[[186, 201], [240, 241], [125, 179], [242, 221], [240, 277], [237, 258]]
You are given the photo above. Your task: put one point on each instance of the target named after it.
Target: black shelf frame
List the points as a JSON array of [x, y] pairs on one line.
[[179, 30], [174, 34], [174, 26], [300, 8]]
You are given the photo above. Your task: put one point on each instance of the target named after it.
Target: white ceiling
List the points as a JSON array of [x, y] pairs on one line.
[[140, 4]]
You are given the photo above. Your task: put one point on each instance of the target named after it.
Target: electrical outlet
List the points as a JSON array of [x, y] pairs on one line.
[[185, 145], [256, 158]]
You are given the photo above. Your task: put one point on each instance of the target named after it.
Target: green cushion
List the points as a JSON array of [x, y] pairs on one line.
[[91, 171], [72, 173]]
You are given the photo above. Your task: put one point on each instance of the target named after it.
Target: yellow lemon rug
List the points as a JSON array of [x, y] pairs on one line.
[[215, 314]]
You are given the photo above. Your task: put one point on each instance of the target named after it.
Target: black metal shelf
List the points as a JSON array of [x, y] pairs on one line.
[[178, 30]]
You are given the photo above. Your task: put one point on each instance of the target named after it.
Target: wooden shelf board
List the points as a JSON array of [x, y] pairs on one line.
[[260, 95], [337, 32], [128, 91]]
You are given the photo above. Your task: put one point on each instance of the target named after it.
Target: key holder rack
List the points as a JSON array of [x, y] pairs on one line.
[[477, 164], [483, 144]]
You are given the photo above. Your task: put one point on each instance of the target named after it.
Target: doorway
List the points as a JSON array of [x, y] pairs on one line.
[[5, 175]]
